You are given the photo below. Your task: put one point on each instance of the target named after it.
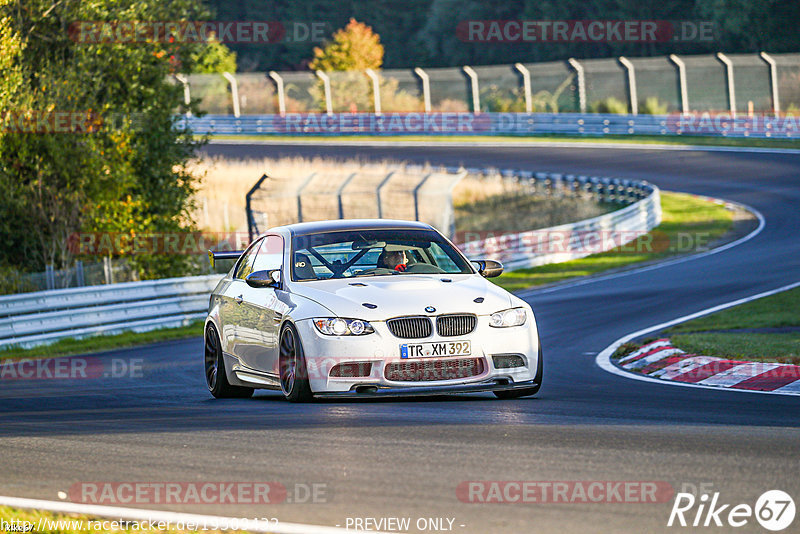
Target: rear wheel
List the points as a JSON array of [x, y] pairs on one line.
[[517, 393], [293, 371], [216, 379]]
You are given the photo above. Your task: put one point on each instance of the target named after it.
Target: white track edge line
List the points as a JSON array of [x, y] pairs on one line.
[[141, 514], [666, 263], [603, 359], [511, 144]]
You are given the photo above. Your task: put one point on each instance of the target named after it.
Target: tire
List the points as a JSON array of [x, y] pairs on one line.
[[292, 365], [517, 393], [216, 378]]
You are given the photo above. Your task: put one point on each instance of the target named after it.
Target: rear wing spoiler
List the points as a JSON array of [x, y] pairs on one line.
[[214, 255]]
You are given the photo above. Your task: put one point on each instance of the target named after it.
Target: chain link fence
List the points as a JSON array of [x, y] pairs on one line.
[[653, 85]]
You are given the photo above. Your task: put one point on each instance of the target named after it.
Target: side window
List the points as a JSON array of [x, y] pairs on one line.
[[245, 265], [270, 254]]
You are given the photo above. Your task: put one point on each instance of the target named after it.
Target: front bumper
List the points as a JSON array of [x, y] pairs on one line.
[[360, 392], [381, 349]]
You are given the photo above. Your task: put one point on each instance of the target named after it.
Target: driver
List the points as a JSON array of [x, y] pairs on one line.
[[393, 259]]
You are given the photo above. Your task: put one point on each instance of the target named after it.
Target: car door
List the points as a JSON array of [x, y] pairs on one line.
[[258, 341], [231, 310]]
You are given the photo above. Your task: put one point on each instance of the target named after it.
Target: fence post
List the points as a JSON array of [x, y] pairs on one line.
[[378, 193], [281, 94], [731, 90], [326, 83], [80, 278], [299, 194], [426, 88], [252, 228], [581, 83], [416, 194], [107, 270], [187, 96], [681, 82], [476, 96], [634, 101], [376, 89], [526, 86], [339, 192], [773, 82], [234, 92], [449, 217]]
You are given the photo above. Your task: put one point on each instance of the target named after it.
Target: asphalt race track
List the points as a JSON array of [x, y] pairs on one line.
[[406, 458]]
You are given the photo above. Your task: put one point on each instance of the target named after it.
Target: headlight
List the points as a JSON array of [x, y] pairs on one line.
[[336, 326], [512, 317]]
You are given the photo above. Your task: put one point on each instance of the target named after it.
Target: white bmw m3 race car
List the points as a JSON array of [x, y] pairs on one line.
[[366, 308]]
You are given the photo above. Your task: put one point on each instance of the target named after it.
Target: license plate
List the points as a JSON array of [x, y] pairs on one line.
[[439, 348]]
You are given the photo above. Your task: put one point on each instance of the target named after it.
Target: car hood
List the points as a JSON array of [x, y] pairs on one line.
[[405, 295]]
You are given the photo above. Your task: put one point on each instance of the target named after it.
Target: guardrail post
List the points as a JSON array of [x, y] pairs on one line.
[[234, 92], [109, 275], [581, 83], [326, 83], [681, 82], [773, 82], [281, 93], [49, 277], [378, 193], [426, 88], [476, 96], [526, 86], [731, 90], [187, 96], [80, 278], [376, 89], [339, 192], [299, 194], [634, 101]]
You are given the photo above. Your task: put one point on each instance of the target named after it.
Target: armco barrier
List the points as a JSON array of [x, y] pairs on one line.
[[583, 238], [30, 319], [462, 123]]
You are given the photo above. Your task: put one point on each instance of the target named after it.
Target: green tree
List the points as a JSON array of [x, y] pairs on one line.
[[127, 171]]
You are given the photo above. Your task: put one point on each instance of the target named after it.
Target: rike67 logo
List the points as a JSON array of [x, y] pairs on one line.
[[774, 510]]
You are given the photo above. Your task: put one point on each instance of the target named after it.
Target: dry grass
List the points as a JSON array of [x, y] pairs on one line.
[[483, 202]]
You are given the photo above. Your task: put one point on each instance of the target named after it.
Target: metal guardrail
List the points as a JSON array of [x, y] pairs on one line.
[[455, 123], [579, 239], [30, 319]]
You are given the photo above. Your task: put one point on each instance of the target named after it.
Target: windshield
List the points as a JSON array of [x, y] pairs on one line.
[[359, 253]]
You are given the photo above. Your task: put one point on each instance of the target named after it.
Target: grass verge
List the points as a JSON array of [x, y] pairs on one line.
[[72, 346], [688, 223], [734, 333], [555, 138], [43, 522]]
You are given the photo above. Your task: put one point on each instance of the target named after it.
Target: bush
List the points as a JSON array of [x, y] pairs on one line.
[[653, 106], [609, 105]]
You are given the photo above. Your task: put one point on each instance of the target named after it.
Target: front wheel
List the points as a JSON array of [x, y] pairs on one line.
[[517, 393], [216, 379], [293, 371]]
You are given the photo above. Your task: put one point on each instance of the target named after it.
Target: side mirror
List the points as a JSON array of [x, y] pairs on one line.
[[488, 268], [260, 279]]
